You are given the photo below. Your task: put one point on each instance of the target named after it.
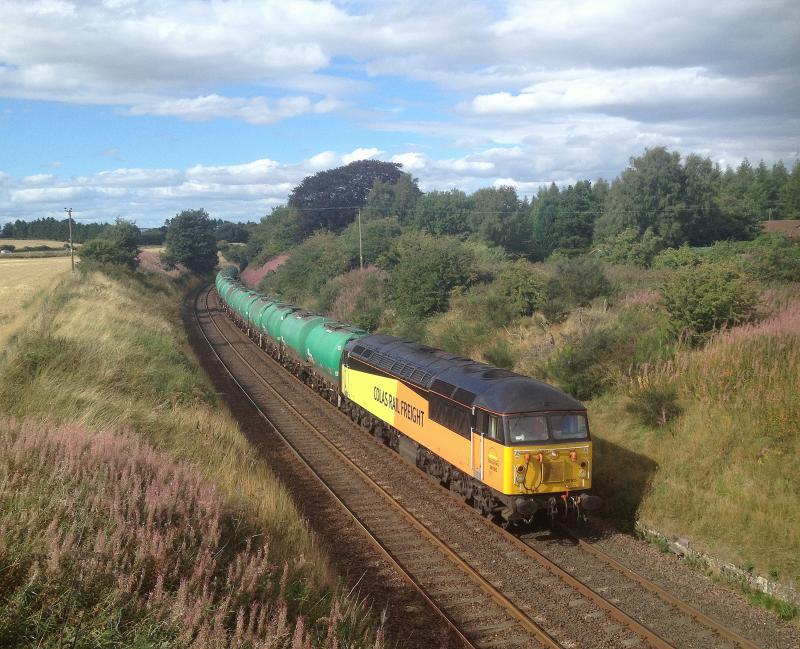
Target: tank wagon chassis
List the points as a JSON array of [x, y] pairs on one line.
[[501, 508]]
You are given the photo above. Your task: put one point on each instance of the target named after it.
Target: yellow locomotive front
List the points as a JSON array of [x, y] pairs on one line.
[[535, 461]]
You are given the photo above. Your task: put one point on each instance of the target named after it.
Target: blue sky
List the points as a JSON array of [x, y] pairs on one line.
[[143, 108]]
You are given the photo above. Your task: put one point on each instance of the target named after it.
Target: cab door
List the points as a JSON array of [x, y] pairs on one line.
[[477, 454]]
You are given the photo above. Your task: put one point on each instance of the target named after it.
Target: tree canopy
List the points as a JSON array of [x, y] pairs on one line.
[[117, 245], [190, 241], [330, 199]]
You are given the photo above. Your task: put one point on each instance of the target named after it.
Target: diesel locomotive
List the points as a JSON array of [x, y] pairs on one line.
[[508, 444]]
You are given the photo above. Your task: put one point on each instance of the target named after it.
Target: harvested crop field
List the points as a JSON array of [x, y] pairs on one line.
[[29, 243], [22, 282]]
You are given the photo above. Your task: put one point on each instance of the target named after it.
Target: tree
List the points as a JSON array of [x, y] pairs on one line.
[[310, 266], [276, 233], [330, 199], [190, 241], [424, 271], [443, 212], [392, 199], [497, 218], [118, 246], [563, 220], [650, 193]]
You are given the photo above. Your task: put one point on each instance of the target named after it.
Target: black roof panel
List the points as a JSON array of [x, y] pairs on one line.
[[461, 379]]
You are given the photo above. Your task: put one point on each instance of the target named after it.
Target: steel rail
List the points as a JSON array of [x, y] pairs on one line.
[[656, 641], [660, 592], [537, 631]]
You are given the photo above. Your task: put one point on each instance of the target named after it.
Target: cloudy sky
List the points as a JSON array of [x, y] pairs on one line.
[[143, 108]]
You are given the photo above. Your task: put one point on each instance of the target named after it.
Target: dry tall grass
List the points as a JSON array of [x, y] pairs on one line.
[[105, 352], [726, 468]]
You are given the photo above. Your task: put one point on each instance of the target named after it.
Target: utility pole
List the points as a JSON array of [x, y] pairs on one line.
[[68, 210], [360, 250]]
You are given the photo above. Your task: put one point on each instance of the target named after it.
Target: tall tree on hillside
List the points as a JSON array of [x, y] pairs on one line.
[[563, 220], [443, 212], [389, 199], [190, 241], [117, 245], [330, 199], [497, 218], [650, 193], [790, 193]]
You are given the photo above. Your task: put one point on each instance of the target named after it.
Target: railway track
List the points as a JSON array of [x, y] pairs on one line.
[[473, 608], [493, 589]]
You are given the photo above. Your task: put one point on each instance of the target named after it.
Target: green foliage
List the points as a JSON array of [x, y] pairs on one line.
[[53, 229], [576, 282], [358, 297], [392, 199], [589, 365], [655, 405], [8, 246], [117, 246], [677, 257], [424, 269], [523, 287], [631, 247], [702, 299], [775, 259], [377, 238], [236, 253], [496, 217], [330, 199], [563, 220], [190, 241], [678, 202], [314, 262], [500, 354], [443, 212], [276, 233]]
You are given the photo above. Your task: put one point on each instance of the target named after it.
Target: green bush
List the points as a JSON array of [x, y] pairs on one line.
[[118, 245], [655, 405], [577, 282], [775, 260], [631, 247], [499, 353], [424, 269], [703, 299], [588, 366], [677, 258], [522, 286], [314, 262]]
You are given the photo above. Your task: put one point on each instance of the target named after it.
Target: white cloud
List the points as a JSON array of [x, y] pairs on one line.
[[362, 154]]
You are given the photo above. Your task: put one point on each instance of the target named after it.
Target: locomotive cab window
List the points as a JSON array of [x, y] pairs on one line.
[[535, 428], [568, 427], [523, 429]]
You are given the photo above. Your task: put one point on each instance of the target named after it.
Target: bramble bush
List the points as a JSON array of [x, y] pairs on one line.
[[577, 282], [654, 405]]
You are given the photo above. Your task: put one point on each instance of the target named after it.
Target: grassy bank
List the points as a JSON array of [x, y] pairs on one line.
[[722, 472], [106, 365]]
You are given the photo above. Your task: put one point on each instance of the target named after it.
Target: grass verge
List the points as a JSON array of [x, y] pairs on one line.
[[109, 353]]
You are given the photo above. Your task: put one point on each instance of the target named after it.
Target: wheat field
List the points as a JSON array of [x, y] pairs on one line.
[[22, 284]]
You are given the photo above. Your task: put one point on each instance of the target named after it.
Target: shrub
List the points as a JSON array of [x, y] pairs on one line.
[[655, 405], [776, 260], [631, 247], [117, 246], [588, 366], [314, 262], [7, 246], [705, 298], [357, 297], [677, 257], [499, 353], [424, 271], [523, 286], [577, 282]]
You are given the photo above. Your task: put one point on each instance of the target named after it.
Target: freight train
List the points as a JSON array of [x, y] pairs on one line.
[[509, 445]]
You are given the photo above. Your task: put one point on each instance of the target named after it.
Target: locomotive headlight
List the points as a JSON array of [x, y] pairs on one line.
[[553, 453], [573, 455]]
